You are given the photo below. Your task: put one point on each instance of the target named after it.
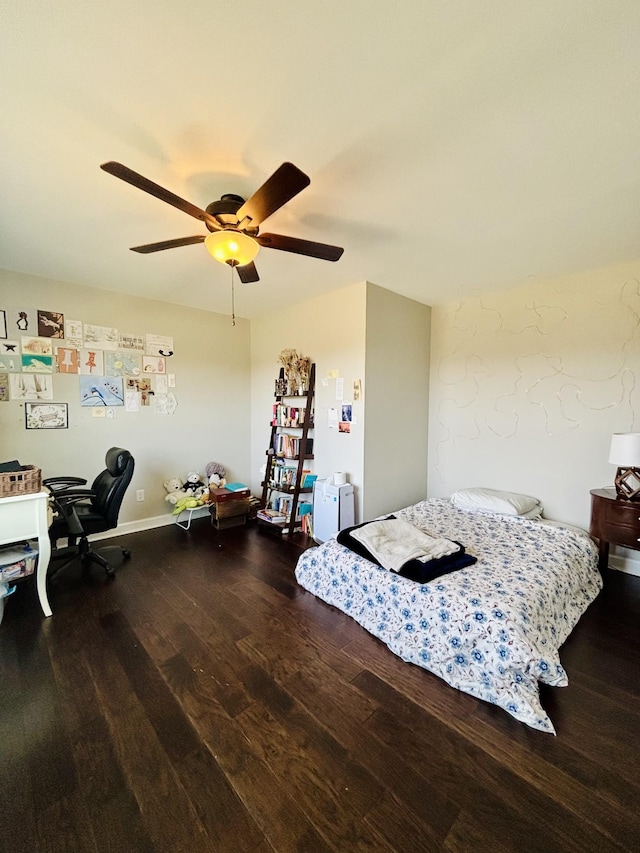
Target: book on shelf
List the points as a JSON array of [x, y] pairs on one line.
[[307, 525], [271, 515], [287, 416], [308, 479], [290, 446]]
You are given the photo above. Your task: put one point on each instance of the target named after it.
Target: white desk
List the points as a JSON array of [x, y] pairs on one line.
[[25, 517]]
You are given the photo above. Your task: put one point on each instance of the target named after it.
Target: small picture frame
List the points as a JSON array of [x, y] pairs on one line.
[[46, 415]]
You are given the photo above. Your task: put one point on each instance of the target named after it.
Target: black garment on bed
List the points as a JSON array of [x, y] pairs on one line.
[[415, 570]]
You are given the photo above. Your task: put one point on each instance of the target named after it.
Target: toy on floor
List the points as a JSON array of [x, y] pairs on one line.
[[194, 486], [216, 474], [187, 503], [175, 490]]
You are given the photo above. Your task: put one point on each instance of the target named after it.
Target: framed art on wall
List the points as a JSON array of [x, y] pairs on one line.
[[46, 415]]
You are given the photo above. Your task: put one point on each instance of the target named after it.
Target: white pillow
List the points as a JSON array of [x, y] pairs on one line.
[[492, 500]]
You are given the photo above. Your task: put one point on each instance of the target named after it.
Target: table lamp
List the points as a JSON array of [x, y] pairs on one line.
[[625, 453]]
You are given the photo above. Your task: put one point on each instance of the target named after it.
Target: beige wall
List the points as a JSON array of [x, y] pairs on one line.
[[396, 402], [528, 385], [331, 331], [212, 420], [364, 332]]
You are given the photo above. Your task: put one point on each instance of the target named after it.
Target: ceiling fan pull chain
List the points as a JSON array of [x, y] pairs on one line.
[[233, 299]]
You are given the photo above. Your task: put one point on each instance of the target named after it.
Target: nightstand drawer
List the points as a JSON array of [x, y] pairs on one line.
[[621, 513], [622, 535]]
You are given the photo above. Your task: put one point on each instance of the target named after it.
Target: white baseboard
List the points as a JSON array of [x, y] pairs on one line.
[[144, 524], [625, 563]]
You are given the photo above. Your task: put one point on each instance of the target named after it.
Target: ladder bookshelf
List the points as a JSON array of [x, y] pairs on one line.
[[288, 444]]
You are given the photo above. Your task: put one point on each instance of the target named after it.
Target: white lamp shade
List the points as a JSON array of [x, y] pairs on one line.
[[231, 247], [625, 449]]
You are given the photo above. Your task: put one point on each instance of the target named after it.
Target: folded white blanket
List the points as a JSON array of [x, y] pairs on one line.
[[393, 542]]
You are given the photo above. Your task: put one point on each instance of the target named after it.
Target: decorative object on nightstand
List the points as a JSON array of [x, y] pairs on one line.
[[625, 453]]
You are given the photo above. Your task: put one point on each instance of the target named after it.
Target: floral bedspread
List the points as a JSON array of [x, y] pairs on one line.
[[493, 629]]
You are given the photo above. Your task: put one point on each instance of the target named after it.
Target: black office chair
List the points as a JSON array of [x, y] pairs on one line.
[[79, 512]]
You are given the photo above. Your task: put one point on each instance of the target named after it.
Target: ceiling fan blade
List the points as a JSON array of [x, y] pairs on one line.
[[142, 183], [300, 247], [248, 273], [286, 182], [167, 244]]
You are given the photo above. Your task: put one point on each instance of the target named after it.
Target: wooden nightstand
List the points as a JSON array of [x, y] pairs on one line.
[[613, 521]]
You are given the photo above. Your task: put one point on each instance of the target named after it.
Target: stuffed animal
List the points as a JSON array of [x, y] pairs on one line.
[[194, 486], [186, 503], [216, 474], [175, 490]]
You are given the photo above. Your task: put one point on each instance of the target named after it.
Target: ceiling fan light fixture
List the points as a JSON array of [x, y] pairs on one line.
[[231, 247]]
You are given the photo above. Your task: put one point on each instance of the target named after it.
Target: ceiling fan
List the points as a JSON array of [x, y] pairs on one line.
[[233, 222]]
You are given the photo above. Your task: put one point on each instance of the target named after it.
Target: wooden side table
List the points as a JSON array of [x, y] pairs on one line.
[[613, 521]]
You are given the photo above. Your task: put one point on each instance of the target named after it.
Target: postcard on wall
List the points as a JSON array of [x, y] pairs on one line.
[[30, 386], [101, 391], [46, 415], [9, 347], [91, 362], [165, 404], [130, 341], [357, 389], [347, 411], [141, 386], [100, 337], [131, 401], [37, 363], [67, 360], [143, 383], [332, 418], [153, 364], [21, 320], [4, 387], [36, 346], [11, 363], [344, 426], [339, 388], [3, 323], [73, 333], [158, 345], [171, 379], [160, 384], [119, 363], [50, 324]]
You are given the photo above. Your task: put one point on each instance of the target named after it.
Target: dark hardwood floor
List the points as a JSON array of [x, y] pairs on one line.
[[203, 701]]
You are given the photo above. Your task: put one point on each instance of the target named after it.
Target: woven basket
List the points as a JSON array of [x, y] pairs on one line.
[[23, 482]]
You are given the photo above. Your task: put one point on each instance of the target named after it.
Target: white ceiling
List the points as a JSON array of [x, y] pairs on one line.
[[451, 146]]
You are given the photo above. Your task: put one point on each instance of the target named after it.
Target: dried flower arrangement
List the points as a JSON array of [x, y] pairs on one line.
[[297, 369]]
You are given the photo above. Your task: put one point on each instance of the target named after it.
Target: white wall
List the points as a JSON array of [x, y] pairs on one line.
[[528, 385], [330, 329], [212, 421], [368, 333], [396, 402]]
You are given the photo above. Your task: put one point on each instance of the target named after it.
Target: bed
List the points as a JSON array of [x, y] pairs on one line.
[[493, 629]]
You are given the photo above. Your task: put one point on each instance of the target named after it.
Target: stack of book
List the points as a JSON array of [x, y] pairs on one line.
[[272, 516], [231, 492]]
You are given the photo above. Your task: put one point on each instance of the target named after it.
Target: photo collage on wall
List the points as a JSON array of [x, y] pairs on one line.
[[116, 370]]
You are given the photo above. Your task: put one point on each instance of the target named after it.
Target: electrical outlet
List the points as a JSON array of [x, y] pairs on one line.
[[140, 495]]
